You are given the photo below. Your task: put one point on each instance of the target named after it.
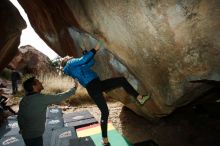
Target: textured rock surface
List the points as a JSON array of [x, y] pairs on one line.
[[30, 61], [160, 46], [11, 26]]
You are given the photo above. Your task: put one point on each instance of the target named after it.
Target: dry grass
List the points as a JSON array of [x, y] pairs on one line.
[[55, 84]]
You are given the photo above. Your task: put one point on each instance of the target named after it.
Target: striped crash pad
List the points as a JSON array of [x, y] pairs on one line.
[[94, 131]]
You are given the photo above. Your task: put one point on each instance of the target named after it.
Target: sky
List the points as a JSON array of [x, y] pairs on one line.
[[29, 36]]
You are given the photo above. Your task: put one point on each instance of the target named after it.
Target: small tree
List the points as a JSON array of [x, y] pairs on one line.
[[56, 63]]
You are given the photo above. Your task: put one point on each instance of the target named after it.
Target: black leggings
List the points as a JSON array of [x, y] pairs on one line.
[[95, 89]]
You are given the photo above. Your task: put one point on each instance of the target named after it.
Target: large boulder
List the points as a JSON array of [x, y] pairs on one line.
[[11, 25], [31, 61]]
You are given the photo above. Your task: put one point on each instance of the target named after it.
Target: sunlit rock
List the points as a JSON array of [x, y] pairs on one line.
[[30, 61]]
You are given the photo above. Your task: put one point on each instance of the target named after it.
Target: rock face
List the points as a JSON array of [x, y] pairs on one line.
[[162, 47], [11, 26], [30, 61]]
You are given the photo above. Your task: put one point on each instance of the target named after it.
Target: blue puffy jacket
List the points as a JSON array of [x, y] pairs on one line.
[[80, 68]]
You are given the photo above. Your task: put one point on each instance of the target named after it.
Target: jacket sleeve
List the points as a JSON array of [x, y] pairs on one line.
[[90, 63], [57, 98], [82, 60]]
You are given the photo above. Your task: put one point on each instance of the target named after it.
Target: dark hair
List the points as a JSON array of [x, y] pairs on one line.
[[28, 85]]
